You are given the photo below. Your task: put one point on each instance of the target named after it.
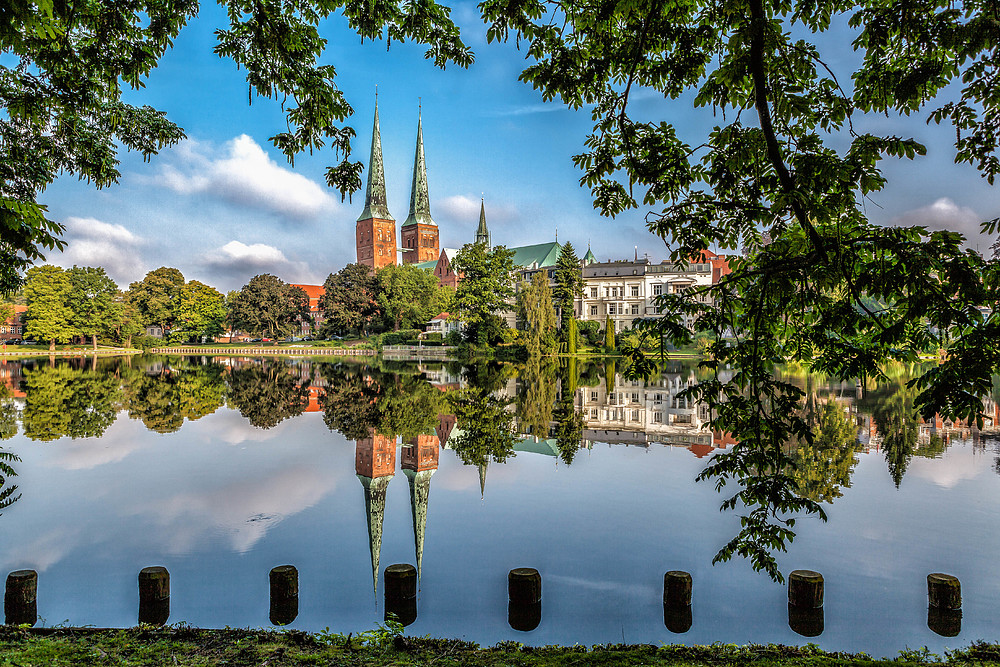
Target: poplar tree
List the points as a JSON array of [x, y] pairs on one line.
[[568, 285], [535, 310]]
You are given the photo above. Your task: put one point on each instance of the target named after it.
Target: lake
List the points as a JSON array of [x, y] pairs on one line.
[[222, 468]]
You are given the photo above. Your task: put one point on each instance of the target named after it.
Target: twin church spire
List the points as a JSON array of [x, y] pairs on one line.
[[376, 228]]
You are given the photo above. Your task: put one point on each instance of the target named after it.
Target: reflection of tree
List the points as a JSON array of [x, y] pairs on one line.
[[823, 467], [486, 427], [350, 400], [267, 393], [536, 396], [61, 401], [891, 407], [569, 422], [183, 390], [8, 417], [358, 399]]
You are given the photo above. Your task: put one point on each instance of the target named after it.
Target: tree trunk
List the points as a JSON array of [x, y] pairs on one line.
[[128, 342], [52, 345], [95, 342]]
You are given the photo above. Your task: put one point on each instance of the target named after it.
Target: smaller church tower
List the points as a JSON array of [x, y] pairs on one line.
[[375, 233], [419, 234], [483, 232]]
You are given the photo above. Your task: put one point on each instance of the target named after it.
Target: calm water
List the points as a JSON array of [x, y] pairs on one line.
[[222, 469]]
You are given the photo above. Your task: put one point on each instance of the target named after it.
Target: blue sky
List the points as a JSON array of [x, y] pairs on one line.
[[224, 206]]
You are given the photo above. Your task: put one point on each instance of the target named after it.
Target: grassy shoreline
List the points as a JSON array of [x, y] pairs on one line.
[[184, 645]]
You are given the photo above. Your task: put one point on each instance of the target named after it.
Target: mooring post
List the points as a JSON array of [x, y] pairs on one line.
[[154, 595], [20, 600], [805, 602], [284, 581], [401, 592], [944, 604], [524, 592], [677, 601]]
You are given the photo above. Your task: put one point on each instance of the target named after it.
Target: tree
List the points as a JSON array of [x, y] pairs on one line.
[[569, 286], [47, 291], [534, 309], [350, 300], [92, 301], [267, 306], [201, 312], [126, 321], [408, 296], [155, 297], [266, 393], [62, 102], [485, 291], [609, 334], [791, 158]]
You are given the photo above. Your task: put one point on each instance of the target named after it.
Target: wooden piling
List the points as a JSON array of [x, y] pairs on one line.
[[805, 589], [944, 591], [154, 595], [401, 592], [677, 619], [945, 622], [524, 586], [677, 589], [20, 600], [524, 617], [806, 621], [284, 604]]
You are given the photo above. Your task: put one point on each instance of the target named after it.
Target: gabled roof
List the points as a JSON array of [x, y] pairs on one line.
[[542, 254], [450, 253], [427, 266], [312, 291]]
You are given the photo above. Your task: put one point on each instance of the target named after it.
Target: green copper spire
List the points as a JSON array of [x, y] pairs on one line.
[[420, 204], [483, 233], [420, 489], [589, 257], [375, 201]]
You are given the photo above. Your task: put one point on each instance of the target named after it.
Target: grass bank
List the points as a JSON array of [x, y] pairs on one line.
[[184, 646]]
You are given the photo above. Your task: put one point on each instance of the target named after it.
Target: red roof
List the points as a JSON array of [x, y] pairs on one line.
[[442, 316], [312, 291]]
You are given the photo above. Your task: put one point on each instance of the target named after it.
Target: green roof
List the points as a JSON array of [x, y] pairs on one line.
[[547, 447], [427, 266], [542, 254]]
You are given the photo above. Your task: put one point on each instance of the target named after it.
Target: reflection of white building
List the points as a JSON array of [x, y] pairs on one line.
[[640, 412], [626, 290]]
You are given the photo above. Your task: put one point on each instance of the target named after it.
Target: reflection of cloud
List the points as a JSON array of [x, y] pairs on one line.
[[91, 242], [245, 175], [44, 550], [947, 471], [942, 214], [120, 440], [244, 509], [241, 261]]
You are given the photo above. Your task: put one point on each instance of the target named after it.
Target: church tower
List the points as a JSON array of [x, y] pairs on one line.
[[483, 233], [375, 233], [419, 234], [420, 460], [375, 465]]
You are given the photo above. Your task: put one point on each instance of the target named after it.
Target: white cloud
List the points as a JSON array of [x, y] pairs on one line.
[[239, 261], [942, 214], [91, 242], [245, 175], [464, 210]]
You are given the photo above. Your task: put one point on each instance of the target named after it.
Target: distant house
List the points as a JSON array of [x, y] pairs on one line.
[[13, 327], [315, 294], [442, 325]]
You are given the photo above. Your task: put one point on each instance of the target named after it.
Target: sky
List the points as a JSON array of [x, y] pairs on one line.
[[223, 205]]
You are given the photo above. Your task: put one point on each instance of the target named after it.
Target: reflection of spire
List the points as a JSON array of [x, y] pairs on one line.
[[375, 464], [482, 480], [375, 508], [420, 490]]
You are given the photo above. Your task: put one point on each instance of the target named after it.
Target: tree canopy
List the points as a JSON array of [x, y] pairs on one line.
[[267, 306], [485, 291], [350, 300]]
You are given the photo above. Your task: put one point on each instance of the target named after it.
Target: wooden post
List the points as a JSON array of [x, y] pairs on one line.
[[154, 595], [677, 589], [944, 591], [20, 600], [401, 592], [284, 581], [524, 591], [805, 621], [805, 589], [677, 619]]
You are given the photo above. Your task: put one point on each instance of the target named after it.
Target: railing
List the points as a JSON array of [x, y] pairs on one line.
[[270, 351]]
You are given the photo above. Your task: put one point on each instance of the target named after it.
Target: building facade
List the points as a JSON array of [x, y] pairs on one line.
[[12, 329], [419, 233], [375, 232]]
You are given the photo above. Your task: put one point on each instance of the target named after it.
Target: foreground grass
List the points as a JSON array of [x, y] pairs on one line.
[[189, 646]]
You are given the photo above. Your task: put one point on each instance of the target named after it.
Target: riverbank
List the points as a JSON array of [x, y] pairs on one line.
[[184, 645]]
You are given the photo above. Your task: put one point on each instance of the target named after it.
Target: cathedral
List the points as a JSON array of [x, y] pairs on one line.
[[375, 235]]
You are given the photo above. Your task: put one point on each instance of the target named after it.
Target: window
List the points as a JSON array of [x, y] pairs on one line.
[[635, 309], [612, 309], [593, 413], [593, 395], [657, 290], [635, 397], [635, 415], [593, 293], [593, 310], [635, 290], [657, 417]]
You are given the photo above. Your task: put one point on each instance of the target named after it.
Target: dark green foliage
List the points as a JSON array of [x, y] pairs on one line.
[[268, 306], [92, 301], [350, 301], [569, 285], [350, 400], [267, 393], [62, 401], [156, 296], [485, 292], [179, 390]]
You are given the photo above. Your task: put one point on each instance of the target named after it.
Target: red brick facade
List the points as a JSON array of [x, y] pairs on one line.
[[419, 243], [376, 242]]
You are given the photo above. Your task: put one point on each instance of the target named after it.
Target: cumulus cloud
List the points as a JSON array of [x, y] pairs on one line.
[[464, 210], [942, 214], [92, 242], [244, 175], [238, 261]]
